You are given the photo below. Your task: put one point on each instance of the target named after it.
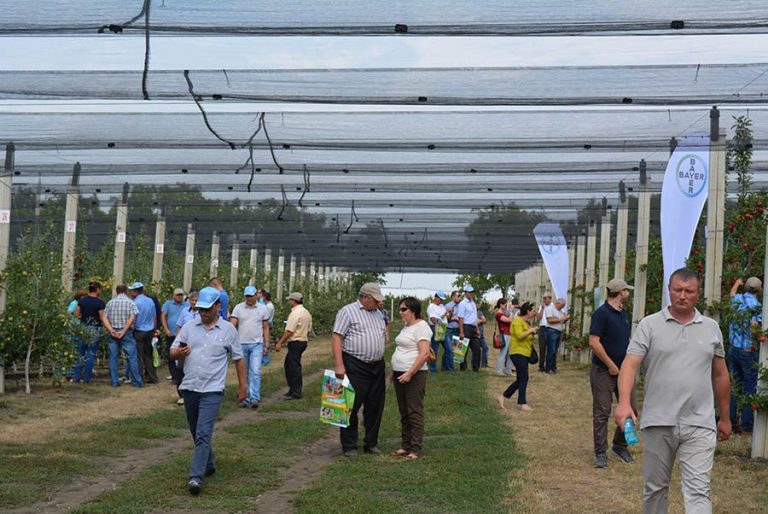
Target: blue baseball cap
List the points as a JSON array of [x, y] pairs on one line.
[[136, 285], [469, 289], [249, 291], [207, 297], [441, 295]]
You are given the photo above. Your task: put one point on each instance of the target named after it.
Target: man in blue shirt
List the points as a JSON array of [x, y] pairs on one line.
[[452, 329], [144, 329], [223, 297], [169, 314], [466, 312], [742, 355]]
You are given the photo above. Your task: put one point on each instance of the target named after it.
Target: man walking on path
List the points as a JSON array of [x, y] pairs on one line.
[[204, 346], [90, 310], [546, 301], [743, 354], [119, 317], [553, 331], [224, 300], [144, 330], [169, 314], [436, 315], [609, 338], [296, 335], [681, 353], [452, 329], [358, 340], [251, 319], [466, 312]]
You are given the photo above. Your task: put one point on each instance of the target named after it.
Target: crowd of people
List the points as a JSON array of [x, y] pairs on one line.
[[678, 348]]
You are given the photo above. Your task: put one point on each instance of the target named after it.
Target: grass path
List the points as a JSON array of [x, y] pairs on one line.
[[557, 441]]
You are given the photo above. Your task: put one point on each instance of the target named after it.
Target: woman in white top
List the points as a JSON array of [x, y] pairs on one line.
[[409, 375]]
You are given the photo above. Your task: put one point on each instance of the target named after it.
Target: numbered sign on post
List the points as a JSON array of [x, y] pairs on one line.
[[120, 237], [190, 259], [159, 248], [71, 226]]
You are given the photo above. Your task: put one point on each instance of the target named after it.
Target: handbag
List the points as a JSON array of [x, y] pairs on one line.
[[534, 358], [432, 356], [497, 340]]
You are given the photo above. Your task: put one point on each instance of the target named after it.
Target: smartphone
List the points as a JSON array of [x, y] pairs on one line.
[[182, 345]]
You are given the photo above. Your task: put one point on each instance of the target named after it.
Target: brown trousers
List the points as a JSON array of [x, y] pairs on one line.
[[604, 388], [410, 401]]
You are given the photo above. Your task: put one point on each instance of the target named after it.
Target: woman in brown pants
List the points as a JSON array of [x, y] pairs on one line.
[[409, 375]]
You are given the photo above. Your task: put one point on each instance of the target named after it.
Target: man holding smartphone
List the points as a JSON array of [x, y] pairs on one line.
[[205, 345]]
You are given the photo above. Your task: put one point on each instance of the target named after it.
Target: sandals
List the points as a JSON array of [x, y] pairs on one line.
[[411, 456], [399, 453]]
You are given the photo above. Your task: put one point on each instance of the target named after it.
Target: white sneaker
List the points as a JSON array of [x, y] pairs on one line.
[[180, 401], [169, 377]]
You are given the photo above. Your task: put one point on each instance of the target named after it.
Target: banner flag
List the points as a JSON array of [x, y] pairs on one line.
[[683, 194], [554, 253]]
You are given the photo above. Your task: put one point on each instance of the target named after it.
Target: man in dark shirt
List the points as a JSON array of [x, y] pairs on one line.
[[90, 311], [609, 337]]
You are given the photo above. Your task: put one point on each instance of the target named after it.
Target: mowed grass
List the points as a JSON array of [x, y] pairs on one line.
[[468, 454]]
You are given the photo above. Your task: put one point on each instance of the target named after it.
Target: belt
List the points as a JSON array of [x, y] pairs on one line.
[[298, 341]]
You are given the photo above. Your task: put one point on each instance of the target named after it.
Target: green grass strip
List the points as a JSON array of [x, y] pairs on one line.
[[468, 455]]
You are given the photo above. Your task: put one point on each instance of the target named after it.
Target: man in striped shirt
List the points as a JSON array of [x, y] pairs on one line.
[[358, 340]]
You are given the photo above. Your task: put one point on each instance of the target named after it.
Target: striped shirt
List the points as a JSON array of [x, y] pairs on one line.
[[364, 332], [119, 309]]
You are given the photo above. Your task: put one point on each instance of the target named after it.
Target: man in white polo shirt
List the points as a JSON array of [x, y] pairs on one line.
[[251, 319], [681, 353]]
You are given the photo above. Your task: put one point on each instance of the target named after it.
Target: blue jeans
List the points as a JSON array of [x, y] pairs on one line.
[[484, 346], [87, 349], [447, 350], [504, 362], [743, 366], [128, 344], [252, 353], [552, 338], [202, 409]]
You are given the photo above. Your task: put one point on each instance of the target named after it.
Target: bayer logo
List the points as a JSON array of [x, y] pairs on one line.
[[691, 175], [551, 243]]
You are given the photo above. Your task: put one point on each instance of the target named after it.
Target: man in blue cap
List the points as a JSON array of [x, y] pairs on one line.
[[144, 330], [251, 319], [466, 311], [203, 347], [436, 315]]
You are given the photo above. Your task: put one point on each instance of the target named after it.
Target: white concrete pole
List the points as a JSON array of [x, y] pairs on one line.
[[641, 248], [622, 221], [292, 274], [214, 268], [121, 226], [189, 257], [6, 182], [157, 263], [605, 248], [70, 230], [254, 265], [760, 428], [312, 282], [280, 273], [578, 304], [713, 274], [235, 264], [589, 275], [267, 268], [303, 271]]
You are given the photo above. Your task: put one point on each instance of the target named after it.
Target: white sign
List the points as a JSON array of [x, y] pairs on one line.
[[159, 248], [235, 264], [121, 237], [683, 196], [71, 226], [190, 259], [215, 263], [5, 216], [554, 253]]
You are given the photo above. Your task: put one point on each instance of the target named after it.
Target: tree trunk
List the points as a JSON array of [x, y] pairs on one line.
[[31, 343]]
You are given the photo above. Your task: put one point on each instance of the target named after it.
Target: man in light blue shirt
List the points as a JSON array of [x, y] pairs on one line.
[[742, 354], [224, 297], [466, 312], [204, 347], [144, 330]]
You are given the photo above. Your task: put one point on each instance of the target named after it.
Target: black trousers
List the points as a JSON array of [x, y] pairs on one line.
[[368, 380], [542, 349], [520, 385], [471, 333], [292, 366], [144, 352]]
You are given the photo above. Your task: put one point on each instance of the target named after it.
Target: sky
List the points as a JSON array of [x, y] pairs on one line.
[[109, 52]]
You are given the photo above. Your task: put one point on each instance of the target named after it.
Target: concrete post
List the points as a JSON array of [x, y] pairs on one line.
[[605, 248], [280, 273], [641, 248], [214, 268], [292, 274], [121, 226], [70, 230], [6, 183], [267, 268], [157, 263], [589, 286], [189, 257], [713, 275], [235, 264], [622, 221], [254, 265], [760, 427]]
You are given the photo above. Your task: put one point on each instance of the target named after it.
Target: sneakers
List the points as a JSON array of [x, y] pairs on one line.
[[352, 452], [601, 461], [195, 487], [254, 405], [374, 450], [623, 454], [180, 401]]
